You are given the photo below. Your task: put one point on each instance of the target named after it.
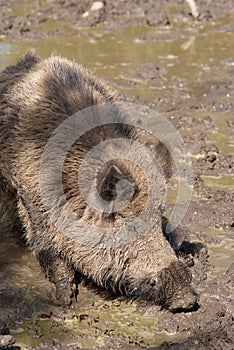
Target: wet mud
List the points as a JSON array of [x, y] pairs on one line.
[[180, 66], [37, 19]]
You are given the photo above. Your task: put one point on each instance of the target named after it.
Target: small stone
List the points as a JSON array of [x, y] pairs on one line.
[[85, 14], [6, 340], [97, 5]]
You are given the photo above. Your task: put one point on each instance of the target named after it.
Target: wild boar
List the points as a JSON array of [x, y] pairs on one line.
[[36, 96]]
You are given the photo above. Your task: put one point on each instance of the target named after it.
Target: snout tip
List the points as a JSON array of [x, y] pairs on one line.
[[188, 303]]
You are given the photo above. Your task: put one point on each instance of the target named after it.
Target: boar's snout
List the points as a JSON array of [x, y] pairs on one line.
[[185, 302], [171, 288], [178, 293]]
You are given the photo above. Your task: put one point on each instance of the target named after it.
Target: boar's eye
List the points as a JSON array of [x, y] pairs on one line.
[[152, 281]]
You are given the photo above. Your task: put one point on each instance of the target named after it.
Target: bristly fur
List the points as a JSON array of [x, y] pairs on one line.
[[36, 96]]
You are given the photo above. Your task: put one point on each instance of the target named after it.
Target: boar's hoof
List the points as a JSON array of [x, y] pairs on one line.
[[64, 277], [65, 292], [65, 284]]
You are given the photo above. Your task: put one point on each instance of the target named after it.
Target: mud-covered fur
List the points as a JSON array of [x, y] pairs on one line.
[[36, 96]]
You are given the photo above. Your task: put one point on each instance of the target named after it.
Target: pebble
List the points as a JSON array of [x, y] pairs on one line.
[[97, 5], [6, 340]]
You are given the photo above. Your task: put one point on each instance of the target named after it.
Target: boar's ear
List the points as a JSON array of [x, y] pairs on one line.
[[158, 148], [29, 60], [26, 63], [164, 158], [106, 184]]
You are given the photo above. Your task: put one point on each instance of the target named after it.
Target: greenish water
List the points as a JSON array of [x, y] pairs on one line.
[[219, 137], [221, 182], [188, 53], [90, 327]]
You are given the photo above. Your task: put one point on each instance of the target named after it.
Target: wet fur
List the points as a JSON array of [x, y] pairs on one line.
[[35, 97]]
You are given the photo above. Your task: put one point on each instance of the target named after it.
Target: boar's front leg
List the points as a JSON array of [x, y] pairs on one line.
[[64, 277], [56, 269]]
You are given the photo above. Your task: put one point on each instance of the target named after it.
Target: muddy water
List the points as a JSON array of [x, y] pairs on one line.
[[198, 55]]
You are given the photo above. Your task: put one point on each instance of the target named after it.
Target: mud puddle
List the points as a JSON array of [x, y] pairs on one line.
[[36, 320]]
